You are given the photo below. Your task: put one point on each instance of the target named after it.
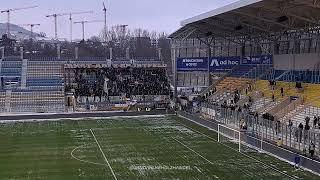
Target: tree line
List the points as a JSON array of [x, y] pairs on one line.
[[142, 43]]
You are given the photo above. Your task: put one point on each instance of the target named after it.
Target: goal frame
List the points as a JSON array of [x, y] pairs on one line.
[[234, 135]]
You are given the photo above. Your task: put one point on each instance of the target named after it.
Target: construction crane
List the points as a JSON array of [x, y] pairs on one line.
[[105, 22], [8, 11], [31, 28], [55, 16], [83, 25], [71, 23]]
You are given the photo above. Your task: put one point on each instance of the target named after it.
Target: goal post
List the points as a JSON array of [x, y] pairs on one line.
[[226, 133]]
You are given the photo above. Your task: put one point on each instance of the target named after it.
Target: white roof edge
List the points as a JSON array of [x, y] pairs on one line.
[[223, 9]]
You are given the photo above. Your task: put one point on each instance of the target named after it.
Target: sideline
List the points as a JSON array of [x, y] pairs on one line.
[[80, 118], [101, 114], [104, 156], [265, 142], [193, 151], [266, 165]]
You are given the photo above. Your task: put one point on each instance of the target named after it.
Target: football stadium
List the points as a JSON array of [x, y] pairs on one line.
[[234, 93]]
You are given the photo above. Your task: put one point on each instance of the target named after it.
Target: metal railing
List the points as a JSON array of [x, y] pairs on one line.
[[278, 107], [287, 109], [219, 80], [291, 136], [262, 142]]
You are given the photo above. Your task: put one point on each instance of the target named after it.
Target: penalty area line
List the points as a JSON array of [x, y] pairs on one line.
[[214, 140], [244, 171], [193, 151], [104, 156]]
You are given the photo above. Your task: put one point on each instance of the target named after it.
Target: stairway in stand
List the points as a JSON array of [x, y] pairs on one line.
[[8, 101]]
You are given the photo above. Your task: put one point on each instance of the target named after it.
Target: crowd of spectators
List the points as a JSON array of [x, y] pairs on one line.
[[120, 82]]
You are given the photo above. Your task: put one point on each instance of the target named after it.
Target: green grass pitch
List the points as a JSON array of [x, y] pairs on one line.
[[129, 148]]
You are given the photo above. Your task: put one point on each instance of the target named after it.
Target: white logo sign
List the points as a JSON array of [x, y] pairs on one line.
[[216, 63]]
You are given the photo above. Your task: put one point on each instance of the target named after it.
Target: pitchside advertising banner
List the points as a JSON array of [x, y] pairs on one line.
[[263, 59], [201, 64], [223, 63], [192, 64], [220, 63]]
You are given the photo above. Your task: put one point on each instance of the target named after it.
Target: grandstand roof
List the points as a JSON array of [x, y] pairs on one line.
[[253, 17]]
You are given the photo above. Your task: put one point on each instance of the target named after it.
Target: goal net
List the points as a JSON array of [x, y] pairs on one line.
[[244, 142], [230, 135]]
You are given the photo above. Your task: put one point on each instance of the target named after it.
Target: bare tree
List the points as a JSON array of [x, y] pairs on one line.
[[137, 32], [95, 39], [154, 35], [145, 33]]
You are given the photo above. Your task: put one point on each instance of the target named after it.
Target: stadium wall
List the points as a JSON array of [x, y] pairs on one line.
[[296, 61], [78, 115]]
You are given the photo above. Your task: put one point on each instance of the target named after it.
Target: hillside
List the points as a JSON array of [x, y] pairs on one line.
[[16, 31]]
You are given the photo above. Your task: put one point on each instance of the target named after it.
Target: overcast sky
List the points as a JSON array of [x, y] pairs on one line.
[[160, 15]]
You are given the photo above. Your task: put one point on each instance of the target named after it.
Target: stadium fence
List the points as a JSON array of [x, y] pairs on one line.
[[260, 142], [290, 137]]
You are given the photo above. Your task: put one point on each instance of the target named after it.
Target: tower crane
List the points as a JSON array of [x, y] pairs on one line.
[[83, 25], [8, 11], [55, 16], [71, 23], [31, 28]]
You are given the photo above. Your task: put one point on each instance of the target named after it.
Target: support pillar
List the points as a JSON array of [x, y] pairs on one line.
[[159, 54], [110, 53], [2, 52], [209, 58], [59, 51], [175, 83], [76, 53], [197, 53], [7, 103], [24, 73], [128, 53], [21, 53]]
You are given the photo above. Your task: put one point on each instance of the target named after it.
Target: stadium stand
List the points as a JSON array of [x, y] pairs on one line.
[[39, 84], [37, 101], [129, 81], [2, 101], [31, 86], [275, 82], [250, 71]]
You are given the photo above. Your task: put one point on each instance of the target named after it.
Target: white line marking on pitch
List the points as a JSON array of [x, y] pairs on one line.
[[244, 171], [104, 156], [81, 160], [193, 151], [266, 165]]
